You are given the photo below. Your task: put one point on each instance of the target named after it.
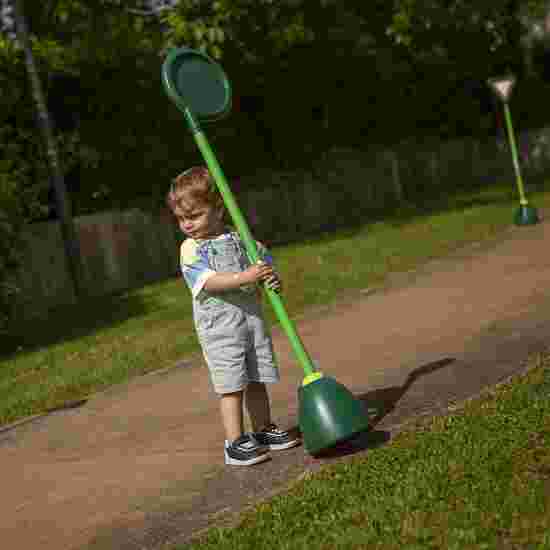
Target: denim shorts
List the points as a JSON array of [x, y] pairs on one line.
[[236, 345]]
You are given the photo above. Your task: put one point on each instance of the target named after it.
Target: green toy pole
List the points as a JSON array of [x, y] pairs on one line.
[[242, 227], [502, 87], [328, 411], [522, 199]]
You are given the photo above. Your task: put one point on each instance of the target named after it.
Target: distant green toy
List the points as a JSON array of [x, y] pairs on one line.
[[328, 412], [502, 87]]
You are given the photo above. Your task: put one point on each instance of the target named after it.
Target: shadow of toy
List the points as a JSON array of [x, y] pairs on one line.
[[378, 403]]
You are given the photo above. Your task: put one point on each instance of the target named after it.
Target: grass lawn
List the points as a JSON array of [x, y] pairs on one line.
[[82, 349], [477, 478]]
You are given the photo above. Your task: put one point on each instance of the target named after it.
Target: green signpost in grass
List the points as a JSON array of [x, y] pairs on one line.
[[502, 87]]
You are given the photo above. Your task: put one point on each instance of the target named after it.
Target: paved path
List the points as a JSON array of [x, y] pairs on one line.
[[141, 464]]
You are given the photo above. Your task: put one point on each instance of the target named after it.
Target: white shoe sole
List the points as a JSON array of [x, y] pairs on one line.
[[283, 446], [256, 460]]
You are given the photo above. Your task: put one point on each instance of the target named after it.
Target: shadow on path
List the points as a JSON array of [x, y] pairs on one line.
[[384, 400], [379, 403]]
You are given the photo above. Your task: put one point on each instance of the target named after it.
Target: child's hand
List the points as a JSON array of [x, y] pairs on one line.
[[264, 273], [258, 272], [273, 282]]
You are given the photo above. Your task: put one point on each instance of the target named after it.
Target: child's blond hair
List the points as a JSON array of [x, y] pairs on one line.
[[192, 187]]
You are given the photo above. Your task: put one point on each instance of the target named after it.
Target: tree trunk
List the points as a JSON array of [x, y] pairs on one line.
[[72, 248]]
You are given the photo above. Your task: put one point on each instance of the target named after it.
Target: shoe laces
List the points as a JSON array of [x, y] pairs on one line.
[[246, 441], [273, 428]]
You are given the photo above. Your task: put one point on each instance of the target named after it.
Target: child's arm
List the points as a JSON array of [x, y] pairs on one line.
[[230, 281]]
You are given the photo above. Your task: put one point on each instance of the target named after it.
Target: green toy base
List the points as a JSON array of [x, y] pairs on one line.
[[526, 215], [328, 414]]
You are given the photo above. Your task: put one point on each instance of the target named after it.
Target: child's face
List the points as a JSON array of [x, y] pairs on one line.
[[199, 221]]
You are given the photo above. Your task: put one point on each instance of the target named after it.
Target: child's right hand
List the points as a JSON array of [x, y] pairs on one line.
[[258, 272]]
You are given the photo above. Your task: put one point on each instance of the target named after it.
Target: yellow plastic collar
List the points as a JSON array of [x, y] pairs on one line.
[[311, 378]]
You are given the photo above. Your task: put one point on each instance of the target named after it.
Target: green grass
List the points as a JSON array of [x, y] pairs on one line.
[[80, 350], [477, 478]]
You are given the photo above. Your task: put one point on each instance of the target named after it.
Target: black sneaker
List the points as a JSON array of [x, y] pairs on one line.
[[245, 451], [276, 439]]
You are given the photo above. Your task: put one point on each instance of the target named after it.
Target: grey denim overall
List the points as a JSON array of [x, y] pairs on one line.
[[230, 326]]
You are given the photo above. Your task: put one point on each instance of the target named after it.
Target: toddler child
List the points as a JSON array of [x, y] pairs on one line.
[[228, 316]]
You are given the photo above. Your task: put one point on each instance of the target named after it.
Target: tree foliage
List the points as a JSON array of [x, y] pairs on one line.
[[10, 225], [316, 66], [306, 76]]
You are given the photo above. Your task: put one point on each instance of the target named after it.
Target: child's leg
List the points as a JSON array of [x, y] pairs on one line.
[[257, 405], [231, 407], [266, 433]]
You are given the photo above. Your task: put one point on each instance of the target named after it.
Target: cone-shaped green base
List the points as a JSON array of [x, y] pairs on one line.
[[526, 215], [328, 413]]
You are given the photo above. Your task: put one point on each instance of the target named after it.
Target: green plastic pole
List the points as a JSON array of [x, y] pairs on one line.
[[242, 227], [512, 140]]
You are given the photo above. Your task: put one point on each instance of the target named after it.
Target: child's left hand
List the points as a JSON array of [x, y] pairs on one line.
[[274, 283]]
